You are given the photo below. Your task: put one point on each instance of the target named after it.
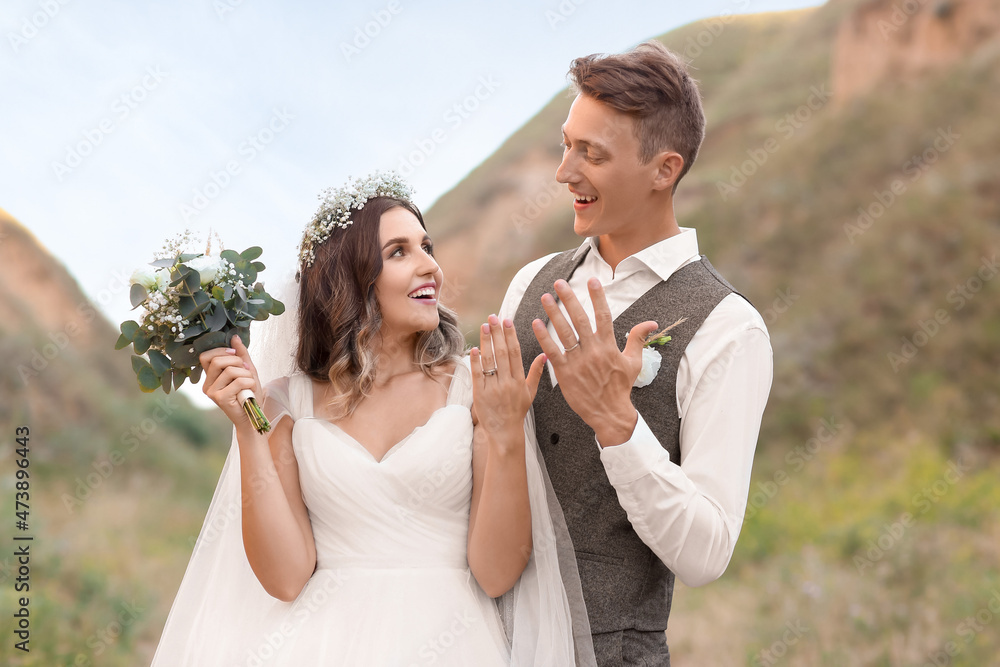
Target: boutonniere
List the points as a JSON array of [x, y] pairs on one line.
[[651, 358]]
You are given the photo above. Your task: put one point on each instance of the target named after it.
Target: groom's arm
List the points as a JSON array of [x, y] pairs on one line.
[[690, 512]]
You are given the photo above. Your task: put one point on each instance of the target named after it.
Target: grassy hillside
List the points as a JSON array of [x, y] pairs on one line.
[[119, 480]]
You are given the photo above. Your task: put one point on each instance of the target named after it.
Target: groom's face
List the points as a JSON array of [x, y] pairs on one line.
[[611, 188]]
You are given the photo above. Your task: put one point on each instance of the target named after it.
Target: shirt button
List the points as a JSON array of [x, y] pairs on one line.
[[554, 438]]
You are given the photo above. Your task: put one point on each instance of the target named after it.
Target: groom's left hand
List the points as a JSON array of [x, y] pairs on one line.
[[596, 378]]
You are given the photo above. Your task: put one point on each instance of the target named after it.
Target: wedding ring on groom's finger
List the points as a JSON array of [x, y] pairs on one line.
[[568, 349]]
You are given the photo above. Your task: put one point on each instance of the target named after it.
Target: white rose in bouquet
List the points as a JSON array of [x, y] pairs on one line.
[[144, 276], [207, 266], [162, 279]]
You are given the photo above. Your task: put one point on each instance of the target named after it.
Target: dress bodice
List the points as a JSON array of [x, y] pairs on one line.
[[411, 509]]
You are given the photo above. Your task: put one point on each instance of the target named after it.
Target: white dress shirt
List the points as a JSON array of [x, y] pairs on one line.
[[689, 512]]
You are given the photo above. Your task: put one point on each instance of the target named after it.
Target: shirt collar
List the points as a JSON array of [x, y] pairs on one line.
[[662, 258]]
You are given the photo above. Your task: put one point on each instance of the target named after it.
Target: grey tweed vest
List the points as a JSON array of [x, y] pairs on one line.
[[625, 586]]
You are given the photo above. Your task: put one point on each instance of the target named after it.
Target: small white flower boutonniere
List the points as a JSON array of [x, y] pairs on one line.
[[651, 358]]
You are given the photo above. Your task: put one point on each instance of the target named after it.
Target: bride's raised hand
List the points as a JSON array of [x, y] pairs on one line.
[[229, 371], [501, 393]]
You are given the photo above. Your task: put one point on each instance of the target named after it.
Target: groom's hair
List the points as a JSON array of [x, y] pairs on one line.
[[651, 84]]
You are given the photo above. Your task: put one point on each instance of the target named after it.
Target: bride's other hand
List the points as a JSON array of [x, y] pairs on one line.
[[229, 371], [502, 399]]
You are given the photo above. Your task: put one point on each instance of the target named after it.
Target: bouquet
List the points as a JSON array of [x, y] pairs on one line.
[[194, 302]]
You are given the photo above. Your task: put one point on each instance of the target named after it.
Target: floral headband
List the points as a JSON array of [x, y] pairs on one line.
[[335, 211]]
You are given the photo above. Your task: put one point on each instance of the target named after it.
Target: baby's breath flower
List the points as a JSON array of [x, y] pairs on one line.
[[335, 211]]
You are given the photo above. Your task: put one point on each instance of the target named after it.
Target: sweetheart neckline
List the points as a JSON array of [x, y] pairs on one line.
[[395, 445]]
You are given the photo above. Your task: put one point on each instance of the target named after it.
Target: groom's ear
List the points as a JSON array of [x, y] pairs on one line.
[[668, 169]]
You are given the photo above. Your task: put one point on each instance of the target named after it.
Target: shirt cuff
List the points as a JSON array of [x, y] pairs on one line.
[[634, 458]]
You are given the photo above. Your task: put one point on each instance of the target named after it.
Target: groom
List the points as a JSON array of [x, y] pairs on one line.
[[652, 480]]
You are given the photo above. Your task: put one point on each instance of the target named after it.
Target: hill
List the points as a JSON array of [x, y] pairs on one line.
[[118, 482]]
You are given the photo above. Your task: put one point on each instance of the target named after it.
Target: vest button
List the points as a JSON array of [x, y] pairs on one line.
[[554, 438]]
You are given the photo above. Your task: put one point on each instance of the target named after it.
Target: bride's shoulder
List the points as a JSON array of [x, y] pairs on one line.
[[457, 377], [283, 388]]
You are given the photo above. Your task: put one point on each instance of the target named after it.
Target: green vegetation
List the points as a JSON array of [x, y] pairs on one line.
[[872, 529]]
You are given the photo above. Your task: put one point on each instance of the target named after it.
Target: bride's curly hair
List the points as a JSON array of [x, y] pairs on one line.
[[339, 319]]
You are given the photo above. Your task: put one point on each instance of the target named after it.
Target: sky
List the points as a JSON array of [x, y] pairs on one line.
[[124, 123]]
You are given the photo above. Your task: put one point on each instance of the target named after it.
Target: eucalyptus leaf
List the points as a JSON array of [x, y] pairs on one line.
[[164, 263], [244, 334], [165, 382], [211, 341], [186, 304], [258, 266], [184, 356], [141, 343], [178, 377], [230, 255], [148, 382], [138, 363], [194, 330], [195, 376], [216, 319], [122, 342], [137, 294], [278, 308], [252, 253], [193, 281], [128, 328], [159, 361]]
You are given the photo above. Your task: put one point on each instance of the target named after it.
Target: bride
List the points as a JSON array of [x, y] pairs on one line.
[[398, 511]]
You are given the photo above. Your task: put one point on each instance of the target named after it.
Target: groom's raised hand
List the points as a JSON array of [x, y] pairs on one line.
[[595, 377]]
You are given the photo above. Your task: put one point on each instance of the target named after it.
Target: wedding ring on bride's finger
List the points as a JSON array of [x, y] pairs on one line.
[[491, 371]]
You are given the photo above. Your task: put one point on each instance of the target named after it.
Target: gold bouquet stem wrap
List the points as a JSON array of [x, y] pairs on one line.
[[254, 412]]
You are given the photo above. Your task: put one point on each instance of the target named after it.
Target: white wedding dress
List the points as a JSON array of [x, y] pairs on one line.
[[392, 585]]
